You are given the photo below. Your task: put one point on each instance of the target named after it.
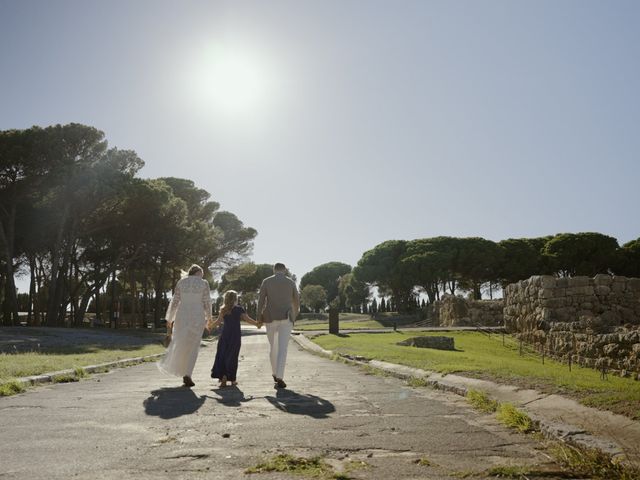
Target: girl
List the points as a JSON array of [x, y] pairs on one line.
[[225, 365]]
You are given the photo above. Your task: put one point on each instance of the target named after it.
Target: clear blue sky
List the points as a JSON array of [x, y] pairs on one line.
[[346, 123]]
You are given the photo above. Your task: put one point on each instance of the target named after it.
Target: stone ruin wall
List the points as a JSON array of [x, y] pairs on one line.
[[594, 322], [453, 311]]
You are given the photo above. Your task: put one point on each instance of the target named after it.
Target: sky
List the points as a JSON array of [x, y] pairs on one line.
[[331, 126]]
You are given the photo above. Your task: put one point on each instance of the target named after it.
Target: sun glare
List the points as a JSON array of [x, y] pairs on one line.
[[231, 81]]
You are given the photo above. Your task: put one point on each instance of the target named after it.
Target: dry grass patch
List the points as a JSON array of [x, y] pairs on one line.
[[481, 401], [314, 467]]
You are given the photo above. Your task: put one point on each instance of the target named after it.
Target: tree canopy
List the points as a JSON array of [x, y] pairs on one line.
[[314, 297], [451, 264], [327, 275], [74, 216]]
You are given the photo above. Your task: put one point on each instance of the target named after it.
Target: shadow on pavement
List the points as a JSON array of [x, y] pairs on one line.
[[172, 402], [231, 396], [300, 404]]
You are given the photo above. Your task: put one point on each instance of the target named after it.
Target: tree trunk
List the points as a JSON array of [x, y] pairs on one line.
[[145, 300], [32, 289], [37, 311], [82, 307], [134, 299], [113, 301], [158, 294], [54, 285], [477, 294], [10, 296], [98, 306]]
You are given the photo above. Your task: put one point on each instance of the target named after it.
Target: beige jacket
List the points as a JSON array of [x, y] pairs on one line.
[[279, 299]]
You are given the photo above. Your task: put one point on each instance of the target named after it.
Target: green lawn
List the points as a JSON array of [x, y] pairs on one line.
[[355, 321], [344, 325], [13, 365], [483, 356]]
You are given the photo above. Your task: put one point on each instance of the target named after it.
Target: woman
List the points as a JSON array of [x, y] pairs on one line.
[[225, 366], [188, 314]]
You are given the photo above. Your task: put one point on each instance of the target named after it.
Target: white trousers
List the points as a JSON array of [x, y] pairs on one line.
[[278, 333]]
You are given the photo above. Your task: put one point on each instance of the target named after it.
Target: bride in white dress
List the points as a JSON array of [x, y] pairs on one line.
[[189, 312]]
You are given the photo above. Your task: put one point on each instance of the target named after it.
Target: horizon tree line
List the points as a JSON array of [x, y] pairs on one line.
[[403, 271]]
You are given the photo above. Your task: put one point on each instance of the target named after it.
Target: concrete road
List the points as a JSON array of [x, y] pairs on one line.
[[138, 423]]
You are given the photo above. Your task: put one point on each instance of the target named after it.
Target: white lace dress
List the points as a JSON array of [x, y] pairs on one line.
[[189, 311]]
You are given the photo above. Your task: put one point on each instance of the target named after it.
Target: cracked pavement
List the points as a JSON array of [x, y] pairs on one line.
[[138, 423]]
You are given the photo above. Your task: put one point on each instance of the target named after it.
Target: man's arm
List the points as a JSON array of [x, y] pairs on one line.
[[261, 301], [296, 301]]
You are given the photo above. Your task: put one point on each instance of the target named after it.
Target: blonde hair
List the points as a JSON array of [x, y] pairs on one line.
[[230, 301], [194, 269]]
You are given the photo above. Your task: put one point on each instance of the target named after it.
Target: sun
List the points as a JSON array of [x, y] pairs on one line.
[[231, 81]]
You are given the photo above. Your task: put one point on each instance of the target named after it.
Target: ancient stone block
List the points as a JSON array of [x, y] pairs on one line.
[[560, 292], [578, 281], [602, 279], [547, 281], [546, 293], [633, 284], [582, 317], [618, 287]]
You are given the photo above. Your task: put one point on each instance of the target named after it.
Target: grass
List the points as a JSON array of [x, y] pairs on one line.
[[481, 401], [417, 382], [484, 356], [591, 463], [11, 388], [314, 467], [514, 418], [508, 471], [357, 325], [357, 321], [16, 365], [424, 462], [576, 462]]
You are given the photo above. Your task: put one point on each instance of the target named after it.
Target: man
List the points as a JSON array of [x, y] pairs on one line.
[[278, 307]]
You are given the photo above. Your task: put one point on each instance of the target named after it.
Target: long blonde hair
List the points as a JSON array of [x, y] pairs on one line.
[[230, 301]]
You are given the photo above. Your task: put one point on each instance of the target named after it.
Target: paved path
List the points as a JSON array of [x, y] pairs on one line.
[[137, 423]]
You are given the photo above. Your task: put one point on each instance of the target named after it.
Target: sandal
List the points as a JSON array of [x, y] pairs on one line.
[[188, 382]]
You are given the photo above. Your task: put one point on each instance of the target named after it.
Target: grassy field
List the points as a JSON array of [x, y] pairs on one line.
[[344, 325], [356, 321], [483, 356], [13, 365]]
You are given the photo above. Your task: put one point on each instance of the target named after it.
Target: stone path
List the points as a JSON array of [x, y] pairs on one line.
[[137, 423], [558, 416]]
